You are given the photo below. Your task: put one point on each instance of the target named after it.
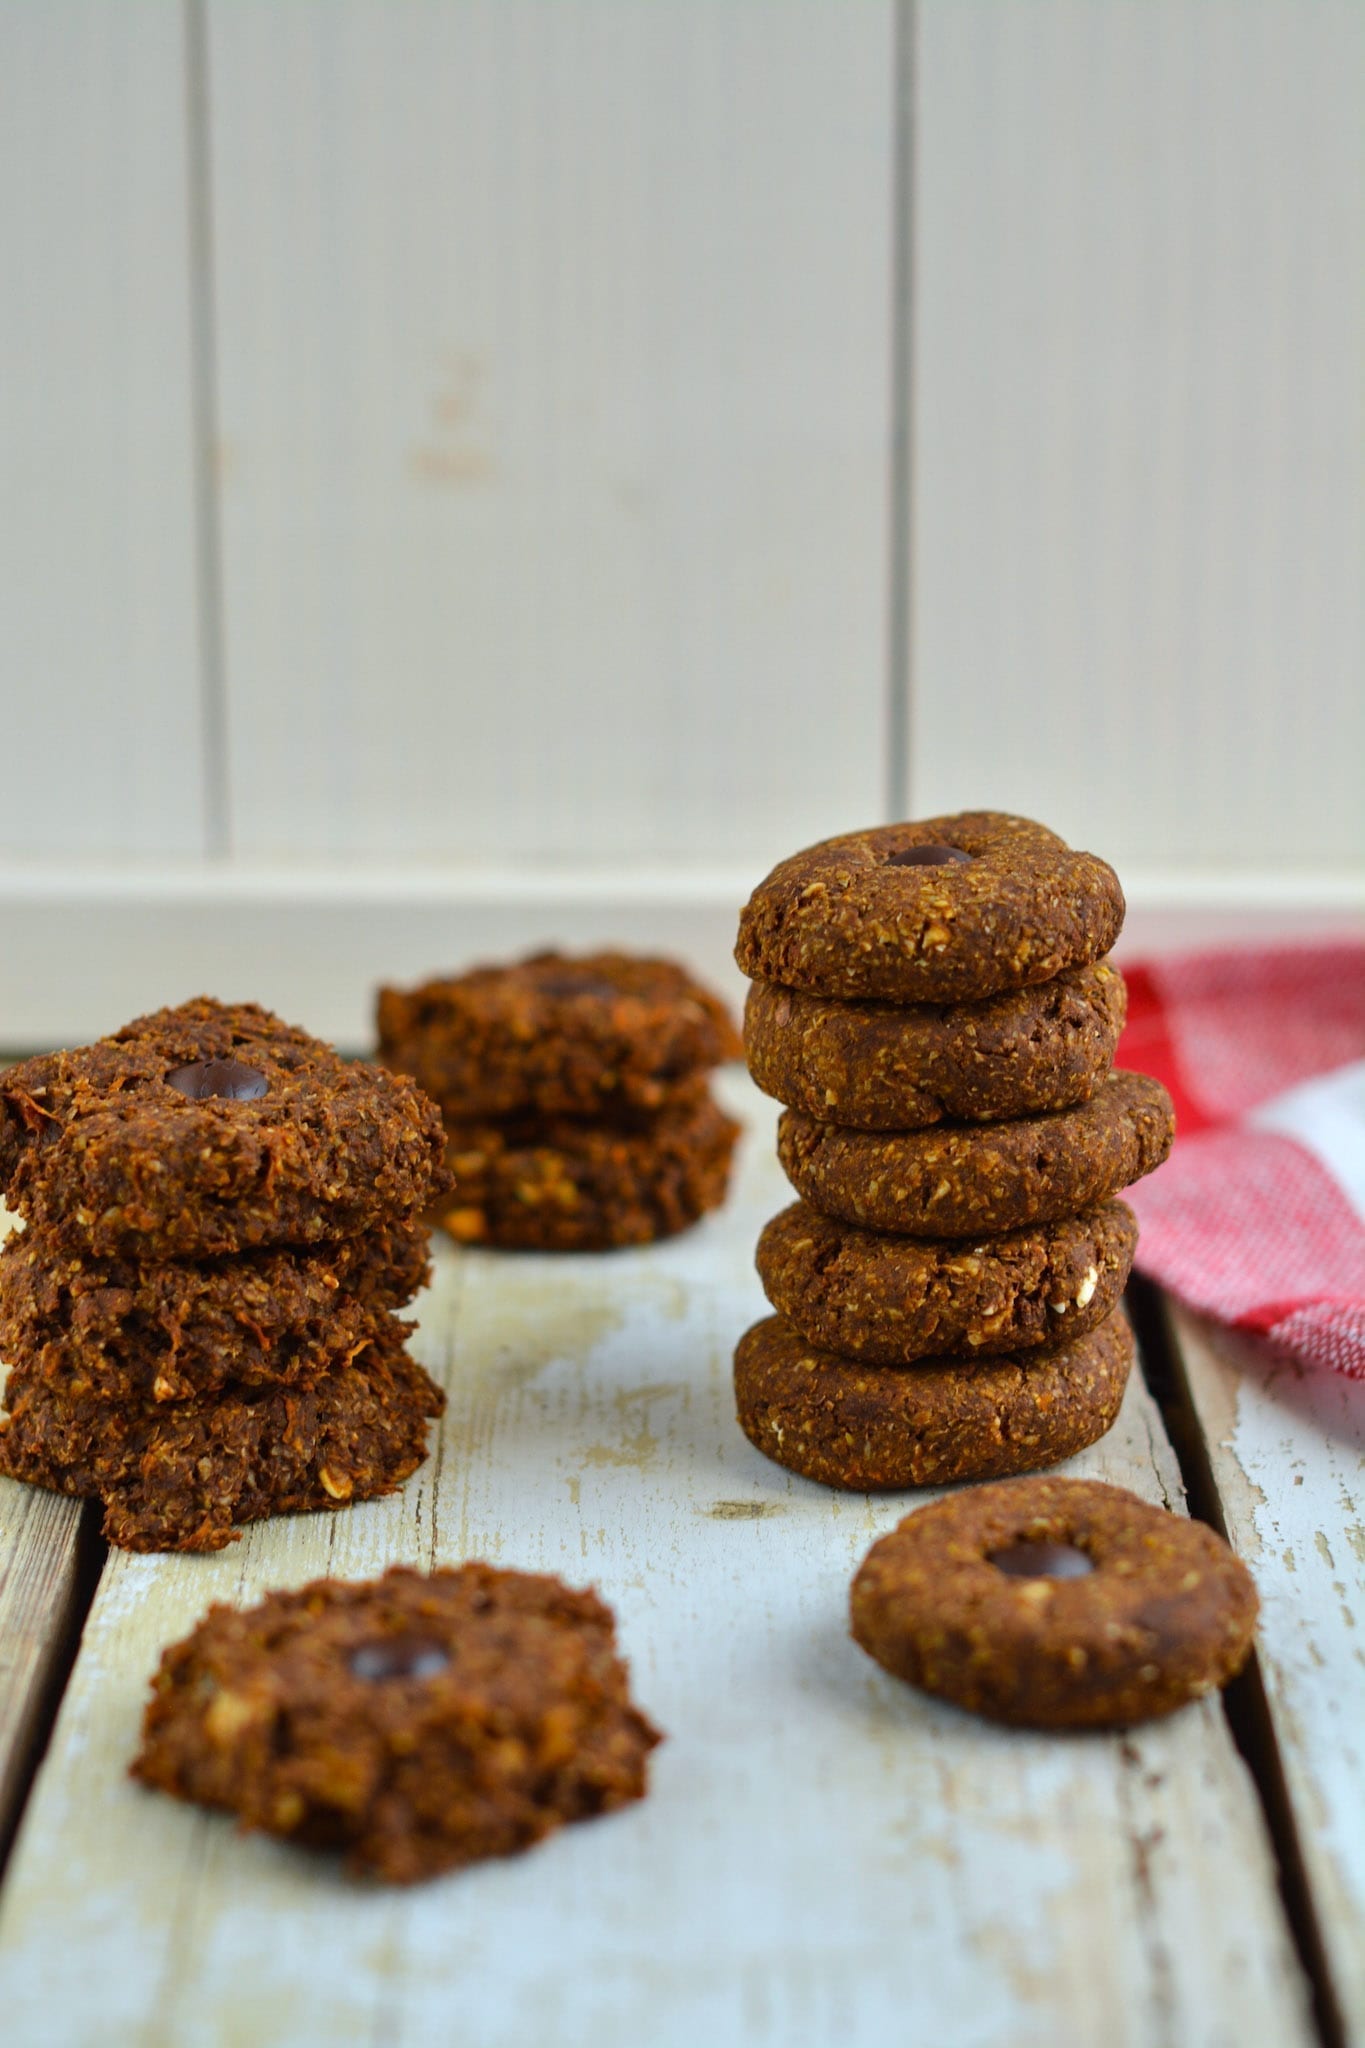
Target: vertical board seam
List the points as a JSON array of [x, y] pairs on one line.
[[217, 837], [900, 579]]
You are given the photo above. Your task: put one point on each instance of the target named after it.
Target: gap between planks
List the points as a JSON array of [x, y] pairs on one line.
[[1273, 1455]]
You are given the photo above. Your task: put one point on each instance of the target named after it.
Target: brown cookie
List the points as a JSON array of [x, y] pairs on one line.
[[902, 1067], [417, 1723], [211, 1129], [603, 1035], [183, 1475], [558, 1185], [115, 1328], [963, 1180], [890, 1300], [929, 1424], [949, 910], [1055, 1603]]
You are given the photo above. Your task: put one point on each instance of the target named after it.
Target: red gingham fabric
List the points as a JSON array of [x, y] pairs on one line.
[[1258, 1216]]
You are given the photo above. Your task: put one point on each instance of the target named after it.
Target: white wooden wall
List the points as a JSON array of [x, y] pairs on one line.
[[479, 471]]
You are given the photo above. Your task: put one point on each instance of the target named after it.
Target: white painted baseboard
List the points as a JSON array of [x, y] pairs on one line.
[[82, 950]]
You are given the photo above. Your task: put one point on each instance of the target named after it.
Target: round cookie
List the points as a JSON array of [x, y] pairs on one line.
[[965, 1180], [1098, 1610], [890, 1300], [1002, 903], [877, 1427], [417, 1722], [210, 1129], [558, 1185], [182, 1475], [175, 1330], [902, 1067], [607, 1035]]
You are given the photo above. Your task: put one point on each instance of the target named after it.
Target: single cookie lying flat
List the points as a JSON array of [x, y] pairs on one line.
[[184, 1475], [962, 1180], [558, 1185], [417, 1723], [949, 910], [211, 1129], [941, 1420], [116, 1328], [904, 1066], [606, 1035], [890, 1300], [1055, 1603]]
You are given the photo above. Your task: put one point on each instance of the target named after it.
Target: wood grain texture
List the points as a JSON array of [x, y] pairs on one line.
[[1287, 1448], [99, 658], [553, 349], [824, 1854], [1139, 425]]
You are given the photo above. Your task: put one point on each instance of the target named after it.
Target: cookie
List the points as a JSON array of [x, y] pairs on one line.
[[928, 1424], [902, 1067], [115, 1328], [183, 1475], [1055, 1603], [890, 1300], [211, 1129], [558, 1185], [604, 1035], [417, 1723], [962, 1180], [945, 911]]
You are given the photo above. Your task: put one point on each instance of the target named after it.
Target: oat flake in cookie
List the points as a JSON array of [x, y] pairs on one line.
[[890, 1300], [949, 910], [611, 1036], [960, 1180], [872, 1428], [905, 1066], [1055, 1603], [208, 1129], [414, 1723]]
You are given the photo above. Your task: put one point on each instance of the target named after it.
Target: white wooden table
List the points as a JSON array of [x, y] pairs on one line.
[[824, 1856]]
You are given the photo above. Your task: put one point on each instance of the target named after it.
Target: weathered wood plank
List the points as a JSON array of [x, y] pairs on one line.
[[39, 1547], [1287, 1448], [824, 1855]]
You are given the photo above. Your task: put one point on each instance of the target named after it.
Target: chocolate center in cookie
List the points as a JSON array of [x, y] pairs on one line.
[[927, 857], [1041, 1561], [227, 1080], [398, 1657]]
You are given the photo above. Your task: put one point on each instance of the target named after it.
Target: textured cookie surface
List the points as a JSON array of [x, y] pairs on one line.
[[1055, 1603], [553, 1184], [873, 1427], [116, 1328], [183, 1475], [129, 1148], [890, 1300], [961, 1180], [857, 916], [902, 1067], [608, 1035], [416, 1723]]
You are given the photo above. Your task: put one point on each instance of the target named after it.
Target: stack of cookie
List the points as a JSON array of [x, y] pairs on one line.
[[932, 1003], [576, 1097], [221, 1216]]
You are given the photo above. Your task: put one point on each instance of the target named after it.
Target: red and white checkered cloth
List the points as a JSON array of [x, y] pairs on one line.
[[1258, 1216]]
